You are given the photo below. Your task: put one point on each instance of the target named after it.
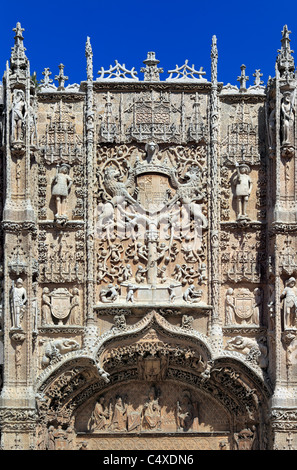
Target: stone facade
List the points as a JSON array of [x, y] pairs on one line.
[[148, 258]]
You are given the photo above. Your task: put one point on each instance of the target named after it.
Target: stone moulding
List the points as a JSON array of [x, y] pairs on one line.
[[114, 335]]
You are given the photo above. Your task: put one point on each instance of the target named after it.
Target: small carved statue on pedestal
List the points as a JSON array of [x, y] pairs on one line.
[[61, 187], [289, 295], [18, 116], [230, 307], [287, 111], [46, 309], [243, 187], [18, 302]]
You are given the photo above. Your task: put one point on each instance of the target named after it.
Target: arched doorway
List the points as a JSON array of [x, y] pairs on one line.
[[165, 389]]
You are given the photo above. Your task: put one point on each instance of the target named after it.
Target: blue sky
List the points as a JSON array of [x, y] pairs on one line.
[[55, 32]]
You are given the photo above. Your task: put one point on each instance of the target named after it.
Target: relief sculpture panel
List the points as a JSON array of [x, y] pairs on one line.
[[148, 264]]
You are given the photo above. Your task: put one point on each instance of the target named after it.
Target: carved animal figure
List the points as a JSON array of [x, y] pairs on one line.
[[190, 190], [115, 187], [57, 348]]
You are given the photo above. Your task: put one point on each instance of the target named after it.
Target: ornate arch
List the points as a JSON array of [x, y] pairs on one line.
[[177, 362]]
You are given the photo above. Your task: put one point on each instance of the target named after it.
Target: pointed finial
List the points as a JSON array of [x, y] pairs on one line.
[[243, 78], [89, 56], [151, 71], [258, 75], [214, 59], [18, 59], [18, 31], [61, 77], [285, 60]]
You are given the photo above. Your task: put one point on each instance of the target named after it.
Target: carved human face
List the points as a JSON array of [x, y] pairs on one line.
[[152, 146]]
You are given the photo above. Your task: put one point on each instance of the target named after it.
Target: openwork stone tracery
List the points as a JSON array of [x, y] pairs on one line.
[[148, 272]]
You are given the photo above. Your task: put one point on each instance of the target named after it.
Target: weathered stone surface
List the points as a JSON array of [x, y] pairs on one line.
[[148, 258]]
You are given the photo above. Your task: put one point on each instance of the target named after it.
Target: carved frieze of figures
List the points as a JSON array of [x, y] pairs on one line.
[[289, 297], [60, 307], [244, 307], [56, 437], [120, 413], [18, 300]]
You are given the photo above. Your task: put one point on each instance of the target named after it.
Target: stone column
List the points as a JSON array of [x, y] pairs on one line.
[[17, 400]]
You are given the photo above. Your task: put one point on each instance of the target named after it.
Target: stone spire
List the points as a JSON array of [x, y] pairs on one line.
[[18, 59], [285, 60], [214, 60], [89, 57]]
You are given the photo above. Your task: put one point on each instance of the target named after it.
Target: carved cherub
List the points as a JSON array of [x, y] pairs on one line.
[[110, 294]]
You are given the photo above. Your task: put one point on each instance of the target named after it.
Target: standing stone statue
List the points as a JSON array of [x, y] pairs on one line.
[[61, 187], [243, 188], [119, 417], [74, 309], [230, 307], [289, 295], [100, 416], [46, 309], [287, 113], [152, 411], [18, 302], [18, 115]]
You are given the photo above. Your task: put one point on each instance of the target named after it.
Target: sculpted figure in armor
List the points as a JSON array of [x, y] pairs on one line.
[[243, 188], [289, 295], [61, 187], [18, 301]]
